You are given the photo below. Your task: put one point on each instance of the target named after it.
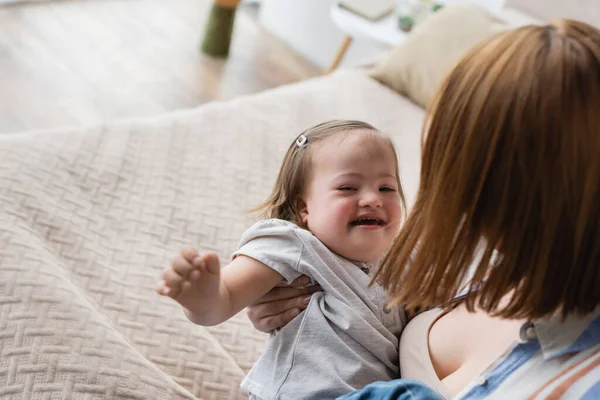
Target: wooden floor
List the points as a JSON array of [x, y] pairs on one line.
[[79, 62]]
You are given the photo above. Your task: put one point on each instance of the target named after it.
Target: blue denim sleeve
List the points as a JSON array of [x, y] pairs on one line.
[[399, 389]]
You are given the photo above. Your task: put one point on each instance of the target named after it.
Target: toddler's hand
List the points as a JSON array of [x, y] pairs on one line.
[[192, 280]]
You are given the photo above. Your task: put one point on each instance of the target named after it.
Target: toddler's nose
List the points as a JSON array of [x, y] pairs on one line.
[[370, 199]]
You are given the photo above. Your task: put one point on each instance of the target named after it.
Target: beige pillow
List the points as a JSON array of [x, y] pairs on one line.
[[417, 66]]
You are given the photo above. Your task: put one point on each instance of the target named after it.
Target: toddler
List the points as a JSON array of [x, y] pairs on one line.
[[335, 209]]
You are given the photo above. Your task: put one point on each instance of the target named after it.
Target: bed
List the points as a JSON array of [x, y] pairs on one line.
[[89, 217]]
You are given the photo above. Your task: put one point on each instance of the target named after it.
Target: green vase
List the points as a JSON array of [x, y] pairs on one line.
[[218, 32]]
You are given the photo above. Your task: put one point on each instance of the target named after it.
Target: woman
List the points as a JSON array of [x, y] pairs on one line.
[[509, 200]]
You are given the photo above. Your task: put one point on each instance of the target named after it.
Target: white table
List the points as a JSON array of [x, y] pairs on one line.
[[383, 31]]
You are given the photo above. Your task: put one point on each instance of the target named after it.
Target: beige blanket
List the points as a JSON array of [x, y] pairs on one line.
[[89, 218]]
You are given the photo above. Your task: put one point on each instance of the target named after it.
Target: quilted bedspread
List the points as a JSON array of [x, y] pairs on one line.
[[89, 217]]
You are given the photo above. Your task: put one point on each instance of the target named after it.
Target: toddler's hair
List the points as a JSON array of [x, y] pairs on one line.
[[284, 201]]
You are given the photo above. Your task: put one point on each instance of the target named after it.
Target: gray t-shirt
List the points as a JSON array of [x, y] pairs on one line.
[[345, 339]]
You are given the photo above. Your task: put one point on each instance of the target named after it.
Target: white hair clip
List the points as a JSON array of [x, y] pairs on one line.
[[301, 141]]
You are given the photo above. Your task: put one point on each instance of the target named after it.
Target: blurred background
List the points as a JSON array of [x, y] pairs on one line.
[[80, 62]]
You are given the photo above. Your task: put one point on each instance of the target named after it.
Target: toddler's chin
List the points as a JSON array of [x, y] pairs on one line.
[[368, 257]]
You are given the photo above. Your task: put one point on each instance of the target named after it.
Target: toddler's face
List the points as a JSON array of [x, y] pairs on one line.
[[351, 201]]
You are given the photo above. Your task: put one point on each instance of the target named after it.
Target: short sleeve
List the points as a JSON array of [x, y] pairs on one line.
[[274, 243]]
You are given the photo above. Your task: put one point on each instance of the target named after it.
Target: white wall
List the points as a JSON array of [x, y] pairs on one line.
[[306, 26], [584, 10], [493, 5]]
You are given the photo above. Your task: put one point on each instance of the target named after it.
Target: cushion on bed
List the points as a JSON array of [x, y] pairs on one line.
[[417, 66]]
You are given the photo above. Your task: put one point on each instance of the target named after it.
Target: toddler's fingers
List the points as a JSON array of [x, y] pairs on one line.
[[211, 260], [171, 277], [181, 266], [188, 253], [164, 290], [161, 288], [195, 275]]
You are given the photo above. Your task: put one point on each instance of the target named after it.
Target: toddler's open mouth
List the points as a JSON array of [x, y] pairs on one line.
[[368, 222]]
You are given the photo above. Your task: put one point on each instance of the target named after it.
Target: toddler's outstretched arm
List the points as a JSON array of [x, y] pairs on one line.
[[211, 295]]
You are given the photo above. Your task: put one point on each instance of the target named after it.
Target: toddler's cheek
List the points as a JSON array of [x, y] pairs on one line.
[[345, 211]]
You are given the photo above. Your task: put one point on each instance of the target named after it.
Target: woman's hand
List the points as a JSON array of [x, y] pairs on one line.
[[281, 305]]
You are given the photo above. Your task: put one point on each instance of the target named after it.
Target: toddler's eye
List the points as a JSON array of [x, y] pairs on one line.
[[386, 189], [346, 188]]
